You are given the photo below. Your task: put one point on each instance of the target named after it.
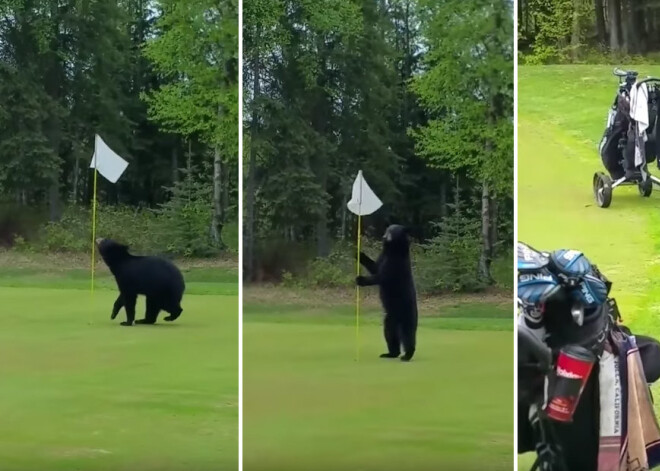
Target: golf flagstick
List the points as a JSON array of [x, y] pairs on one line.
[[363, 202], [94, 224], [106, 162], [357, 293]]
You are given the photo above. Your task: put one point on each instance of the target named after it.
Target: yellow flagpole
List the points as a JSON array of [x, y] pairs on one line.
[[357, 294], [357, 287], [94, 226]]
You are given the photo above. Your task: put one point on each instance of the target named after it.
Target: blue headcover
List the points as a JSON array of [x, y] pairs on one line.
[[570, 263], [530, 259], [591, 292], [535, 282], [536, 287]]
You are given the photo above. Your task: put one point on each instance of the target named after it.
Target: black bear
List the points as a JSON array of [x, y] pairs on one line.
[[156, 278], [392, 272]]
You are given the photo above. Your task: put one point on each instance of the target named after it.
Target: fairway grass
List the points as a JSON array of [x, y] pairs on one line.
[[561, 118], [79, 392], [309, 405]]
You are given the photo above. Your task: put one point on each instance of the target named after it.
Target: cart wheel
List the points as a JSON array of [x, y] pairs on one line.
[[602, 189], [645, 188]]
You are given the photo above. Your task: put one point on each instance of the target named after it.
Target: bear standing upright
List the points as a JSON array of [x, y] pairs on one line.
[[392, 272], [155, 278]]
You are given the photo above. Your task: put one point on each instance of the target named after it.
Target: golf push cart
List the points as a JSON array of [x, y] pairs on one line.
[[627, 148]]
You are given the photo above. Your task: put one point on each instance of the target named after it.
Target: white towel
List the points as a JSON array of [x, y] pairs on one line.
[[639, 112], [611, 411]]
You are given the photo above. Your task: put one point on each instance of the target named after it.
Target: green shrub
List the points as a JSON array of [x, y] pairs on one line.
[[73, 232], [306, 270], [450, 260], [144, 230], [446, 263], [338, 269], [185, 220], [552, 54]]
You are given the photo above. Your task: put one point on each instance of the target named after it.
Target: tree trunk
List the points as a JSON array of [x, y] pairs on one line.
[[225, 190], [614, 15], [575, 30], [189, 168], [74, 191], [628, 33], [344, 213], [249, 241], [322, 237], [493, 224], [486, 247], [217, 222], [649, 17], [218, 215], [321, 165], [639, 13], [54, 210], [457, 204], [407, 69], [52, 84], [601, 32]]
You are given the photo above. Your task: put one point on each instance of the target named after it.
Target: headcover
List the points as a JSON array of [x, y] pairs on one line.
[[580, 278], [571, 264], [530, 259], [536, 283], [562, 274]]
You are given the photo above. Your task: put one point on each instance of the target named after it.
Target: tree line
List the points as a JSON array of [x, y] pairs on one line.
[[416, 93], [157, 79], [569, 30]]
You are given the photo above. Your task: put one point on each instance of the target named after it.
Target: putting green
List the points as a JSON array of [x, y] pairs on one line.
[[561, 118], [309, 405], [79, 392]]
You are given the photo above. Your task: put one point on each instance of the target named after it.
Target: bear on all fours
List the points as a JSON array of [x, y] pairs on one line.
[[156, 278], [392, 272]]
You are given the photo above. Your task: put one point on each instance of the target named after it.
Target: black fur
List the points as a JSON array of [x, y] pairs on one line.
[[392, 272], [155, 278]]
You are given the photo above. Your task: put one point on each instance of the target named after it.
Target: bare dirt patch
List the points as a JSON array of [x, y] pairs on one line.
[[73, 261], [274, 294]]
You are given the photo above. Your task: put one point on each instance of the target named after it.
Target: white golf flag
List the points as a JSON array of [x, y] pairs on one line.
[[109, 164], [363, 200]]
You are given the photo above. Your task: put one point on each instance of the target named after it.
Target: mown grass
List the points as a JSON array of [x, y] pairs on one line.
[[308, 404], [561, 118], [77, 391]]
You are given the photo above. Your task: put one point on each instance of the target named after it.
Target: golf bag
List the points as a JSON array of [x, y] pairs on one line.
[[617, 146], [564, 301]]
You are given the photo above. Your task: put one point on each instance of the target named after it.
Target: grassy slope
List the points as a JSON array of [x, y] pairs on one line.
[[309, 405], [79, 392], [561, 116]]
